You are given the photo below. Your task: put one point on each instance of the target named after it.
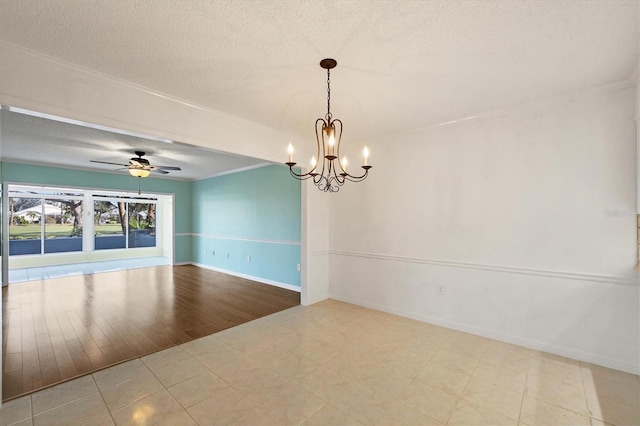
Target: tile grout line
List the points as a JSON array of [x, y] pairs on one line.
[[467, 385], [31, 408], [185, 409], [524, 391], [584, 390], [257, 405], [66, 403], [562, 407], [103, 400]]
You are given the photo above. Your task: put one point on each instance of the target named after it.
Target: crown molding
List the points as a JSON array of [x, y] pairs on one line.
[[241, 169], [537, 104], [545, 102], [93, 75]]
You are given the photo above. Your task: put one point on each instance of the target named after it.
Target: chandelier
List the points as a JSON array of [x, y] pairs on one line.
[[327, 173]]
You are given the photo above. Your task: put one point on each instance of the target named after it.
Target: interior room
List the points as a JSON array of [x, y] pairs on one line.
[[214, 216], [468, 254]]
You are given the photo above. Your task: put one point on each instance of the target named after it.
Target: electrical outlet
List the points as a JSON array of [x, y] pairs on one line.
[[298, 267], [441, 289], [249, 258]]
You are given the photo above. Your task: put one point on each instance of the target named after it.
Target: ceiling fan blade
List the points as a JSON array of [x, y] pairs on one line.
[[166, 167], [159, 171], [107, 162]]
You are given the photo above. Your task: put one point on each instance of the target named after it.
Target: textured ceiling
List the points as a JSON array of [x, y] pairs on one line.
[[43, 141], [401, 64]]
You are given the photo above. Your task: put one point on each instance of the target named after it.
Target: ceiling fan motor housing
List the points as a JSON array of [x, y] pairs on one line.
[[143, 162]]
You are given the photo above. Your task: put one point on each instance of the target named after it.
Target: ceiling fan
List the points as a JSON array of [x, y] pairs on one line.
[[140, 167]]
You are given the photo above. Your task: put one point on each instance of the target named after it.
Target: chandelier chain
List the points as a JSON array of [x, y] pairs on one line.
[[328, 93]]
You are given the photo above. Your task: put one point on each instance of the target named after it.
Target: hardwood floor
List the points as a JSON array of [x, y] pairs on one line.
[[61, 328]]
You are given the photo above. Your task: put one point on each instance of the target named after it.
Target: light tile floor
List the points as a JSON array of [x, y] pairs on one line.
[[338, 364], [58, 271]]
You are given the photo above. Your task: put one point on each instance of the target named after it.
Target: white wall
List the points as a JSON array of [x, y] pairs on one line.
[[527, 218], [635, 76], [637, 81], [315, 254]]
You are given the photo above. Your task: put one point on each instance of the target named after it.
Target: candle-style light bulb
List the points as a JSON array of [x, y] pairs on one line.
[[313, 162], [344, 164], [290, 151], [331, 142], [365, 153]]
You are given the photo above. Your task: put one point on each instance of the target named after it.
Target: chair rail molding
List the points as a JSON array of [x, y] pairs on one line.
[[627, 281]]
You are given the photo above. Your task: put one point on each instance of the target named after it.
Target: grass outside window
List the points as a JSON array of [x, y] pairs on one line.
[[32, 231]]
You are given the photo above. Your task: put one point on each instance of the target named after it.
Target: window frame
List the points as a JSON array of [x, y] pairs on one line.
[[89, 196]]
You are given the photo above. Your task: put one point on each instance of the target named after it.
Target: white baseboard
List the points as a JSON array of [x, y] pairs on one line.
[[528, 343], [248, 277]]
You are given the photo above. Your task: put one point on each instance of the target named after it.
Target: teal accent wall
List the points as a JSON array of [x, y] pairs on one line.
[[31, 174], [182, 248], [252, 213]]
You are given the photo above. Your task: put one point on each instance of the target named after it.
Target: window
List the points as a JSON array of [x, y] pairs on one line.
[[142, 223], [49, 220], [124, 222], [109, 225], [63, 225], [25, 231]]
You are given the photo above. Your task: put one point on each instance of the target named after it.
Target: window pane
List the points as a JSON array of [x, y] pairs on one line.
[[63, 225], [24, 226], [142, 225], [110, 225]]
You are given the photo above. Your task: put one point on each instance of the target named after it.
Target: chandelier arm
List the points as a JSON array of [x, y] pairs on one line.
[[319, 145], [317, 178], [360, 178], [338, 177], [301, 176]]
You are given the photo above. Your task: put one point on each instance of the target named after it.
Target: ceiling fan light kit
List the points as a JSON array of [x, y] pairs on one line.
[[327, 173], [140, 167], [141, 173]]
